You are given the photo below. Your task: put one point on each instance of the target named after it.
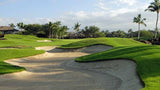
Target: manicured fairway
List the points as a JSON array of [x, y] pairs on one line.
[[116, 42], [27, 40], [147, 57]]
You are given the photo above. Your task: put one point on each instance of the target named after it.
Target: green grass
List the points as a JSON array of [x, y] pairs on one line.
[[104, 41], [28, 40], [6, 54], [25, 47], [147, 57]]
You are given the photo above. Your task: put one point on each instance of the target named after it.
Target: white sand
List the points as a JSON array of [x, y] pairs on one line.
[[44, 40], [56, 70]]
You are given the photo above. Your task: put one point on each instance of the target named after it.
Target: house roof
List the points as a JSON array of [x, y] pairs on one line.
[[6, 28]]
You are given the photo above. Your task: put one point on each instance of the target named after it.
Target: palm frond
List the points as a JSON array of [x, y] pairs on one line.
[[135, 20], [144, 24], [144, 19], [154, 6]]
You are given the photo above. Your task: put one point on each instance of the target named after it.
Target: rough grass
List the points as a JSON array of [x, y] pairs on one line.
[[147, 57], [24, 46]]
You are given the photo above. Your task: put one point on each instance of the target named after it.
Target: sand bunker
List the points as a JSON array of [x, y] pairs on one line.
[[89, 49], [125, 70], [56, 70], [44, 40]]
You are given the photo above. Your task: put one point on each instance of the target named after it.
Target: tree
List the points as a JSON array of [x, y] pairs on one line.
[[20, 25], [107, 33], [121, 33], [140, 21], [155, 7], [34, 29], [12, 25], [130, 31], [77, 26], [91, 32], [147, 34], [55, 27], [63, 31], [50, 30]]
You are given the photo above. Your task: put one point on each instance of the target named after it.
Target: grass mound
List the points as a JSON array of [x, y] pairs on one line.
[[103, 41]]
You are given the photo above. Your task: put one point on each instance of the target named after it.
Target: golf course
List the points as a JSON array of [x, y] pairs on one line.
[[115, 64], [80, 45]]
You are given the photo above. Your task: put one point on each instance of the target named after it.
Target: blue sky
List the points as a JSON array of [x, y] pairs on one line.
[[43, 8], [107, 14]]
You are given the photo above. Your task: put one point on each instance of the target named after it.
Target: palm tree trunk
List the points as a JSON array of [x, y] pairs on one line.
[[139, 31], [52, 34], [49, 34], [156, 31]]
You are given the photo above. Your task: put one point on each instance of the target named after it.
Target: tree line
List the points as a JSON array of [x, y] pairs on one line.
[[50, 29], [59, 31]]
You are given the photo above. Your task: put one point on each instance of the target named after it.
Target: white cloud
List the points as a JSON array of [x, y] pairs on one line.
[[101, 5], [6, 21], [106, 16], [129, 2], [122, 11]]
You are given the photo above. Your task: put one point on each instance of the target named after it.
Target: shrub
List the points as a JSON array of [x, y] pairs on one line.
[[1, 35]]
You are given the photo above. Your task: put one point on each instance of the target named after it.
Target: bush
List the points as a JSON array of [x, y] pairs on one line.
[[1, 35], [101, 34], [20, 33]]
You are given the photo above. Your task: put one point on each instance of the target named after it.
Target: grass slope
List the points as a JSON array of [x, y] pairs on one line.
[[25, 47], [116, 42], [28, 40], [147, 57]]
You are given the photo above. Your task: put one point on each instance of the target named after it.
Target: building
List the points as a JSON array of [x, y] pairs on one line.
[[8, 30]]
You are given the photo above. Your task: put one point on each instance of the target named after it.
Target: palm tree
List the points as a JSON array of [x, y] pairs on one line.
[[20, 25], [63, 31], [55, 27], [76, 27], [155, 7], [50, 30], [130, 31], [140, 21], [12, 25]]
